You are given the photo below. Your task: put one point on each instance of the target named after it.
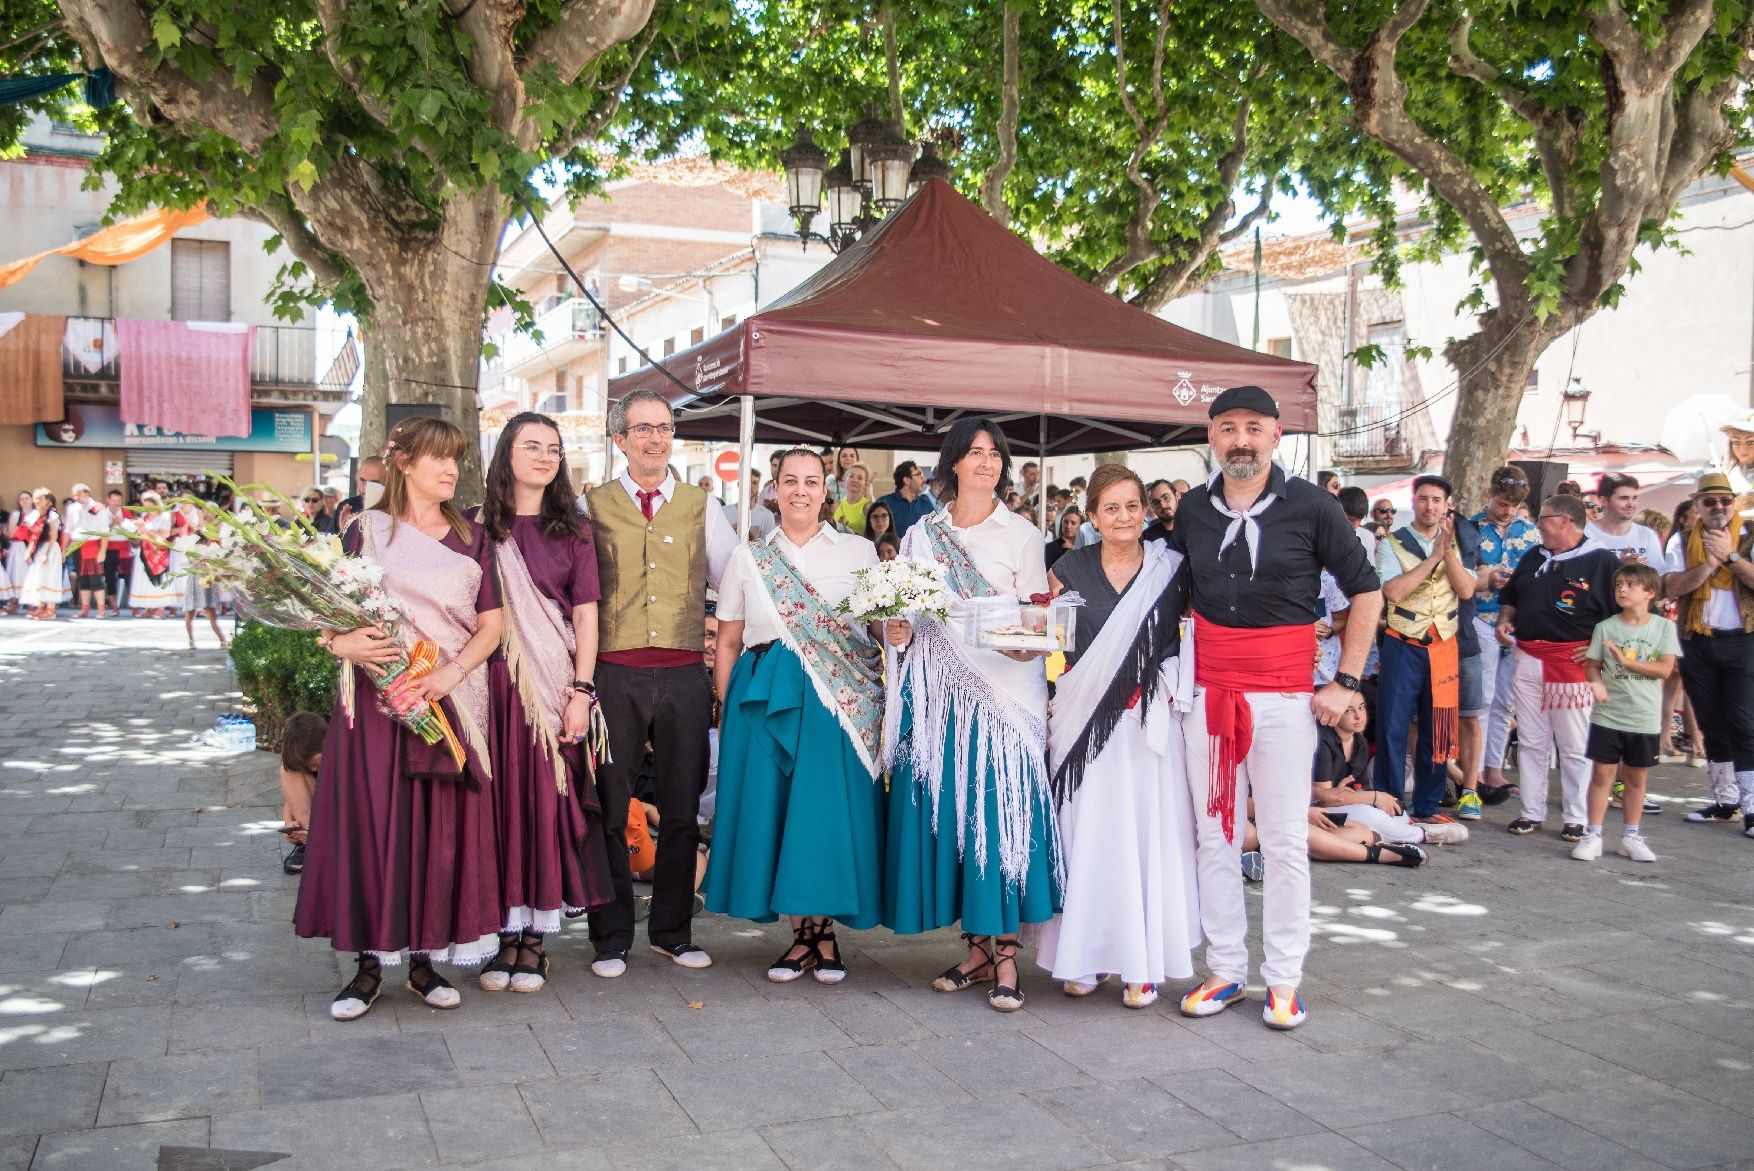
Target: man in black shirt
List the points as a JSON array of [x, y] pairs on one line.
[[1548, 610], [1257, 541]]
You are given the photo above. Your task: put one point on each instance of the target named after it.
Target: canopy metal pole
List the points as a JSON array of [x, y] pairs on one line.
[[1041, 495], [745, 452]]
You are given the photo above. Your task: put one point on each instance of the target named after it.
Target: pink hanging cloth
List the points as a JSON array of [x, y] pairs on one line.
[[192, 377]]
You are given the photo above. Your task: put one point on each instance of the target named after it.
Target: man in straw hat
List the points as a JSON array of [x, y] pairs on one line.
[[1710, 576]]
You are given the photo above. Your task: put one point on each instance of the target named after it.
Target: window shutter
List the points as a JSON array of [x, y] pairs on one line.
[[200, 280]]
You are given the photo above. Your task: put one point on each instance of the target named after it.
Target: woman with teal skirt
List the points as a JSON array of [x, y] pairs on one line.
[[972, 835], [799, 824]]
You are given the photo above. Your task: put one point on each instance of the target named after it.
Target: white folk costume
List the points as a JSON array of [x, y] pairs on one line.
[[799, 814], [150, 584], [45, 583], [972, 836], [17, 554], [1118, 764]]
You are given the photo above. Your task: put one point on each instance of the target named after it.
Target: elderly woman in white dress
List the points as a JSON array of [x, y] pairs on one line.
[[1116, 757]]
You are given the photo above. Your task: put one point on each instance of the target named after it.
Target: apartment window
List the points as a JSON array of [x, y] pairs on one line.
[[621, 365], [1279, 347], [1533, 385], [669, 346], [727, 321], [554, 404], [200, 280], [697, 335], [1382, 381]]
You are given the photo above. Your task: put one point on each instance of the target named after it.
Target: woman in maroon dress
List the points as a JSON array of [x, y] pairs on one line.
[[402, 851], [551, 853]]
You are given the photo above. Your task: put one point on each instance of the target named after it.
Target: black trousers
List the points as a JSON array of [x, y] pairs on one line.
[[1717, 672], [114, 578], [672, 708]]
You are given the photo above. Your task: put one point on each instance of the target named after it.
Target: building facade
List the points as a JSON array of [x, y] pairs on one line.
[[216, 271], [1661, 369]]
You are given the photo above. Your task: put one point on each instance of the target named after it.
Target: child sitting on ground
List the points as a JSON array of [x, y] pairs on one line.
[[301, 754], [1629, 657]]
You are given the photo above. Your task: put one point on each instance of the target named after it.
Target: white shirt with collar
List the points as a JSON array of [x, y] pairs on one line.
[[721, 538], [827, 561], [77, 518], [1007, 550]]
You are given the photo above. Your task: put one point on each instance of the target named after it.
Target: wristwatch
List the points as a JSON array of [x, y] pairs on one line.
[[1732, 558], [1349, 682]]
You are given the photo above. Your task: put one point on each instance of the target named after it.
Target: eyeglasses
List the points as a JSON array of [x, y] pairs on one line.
[[533, 450], [1716, 501], [1381, 510], [1554, 516], [648, 430], [313, 499]]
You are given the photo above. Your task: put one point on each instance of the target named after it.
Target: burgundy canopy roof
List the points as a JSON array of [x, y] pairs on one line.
[[941, 312]]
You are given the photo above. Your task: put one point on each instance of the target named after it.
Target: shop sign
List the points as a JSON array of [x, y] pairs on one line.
[[100, 425]]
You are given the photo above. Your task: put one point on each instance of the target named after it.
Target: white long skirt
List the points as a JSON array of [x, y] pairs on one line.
[[12, 579], [143, 595], [1131, 904], [45, 582]]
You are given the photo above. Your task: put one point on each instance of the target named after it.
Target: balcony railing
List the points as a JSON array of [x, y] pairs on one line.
[[572, 320], [1375, 434], [283, 355]]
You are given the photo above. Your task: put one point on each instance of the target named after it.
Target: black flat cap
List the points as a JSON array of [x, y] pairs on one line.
[[1244, 398], [1419, 482]]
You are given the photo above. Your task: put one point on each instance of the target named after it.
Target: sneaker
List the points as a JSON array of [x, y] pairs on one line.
[[1635, 847], [609, 964], [1617, 795], [1254, 865], [1203, 1001], [1652, 806], [1571, 832], [1714, 813], [1139, 995], [1444, 833], [1469, 807], [294, 862], [1523, 825], [1590, 848], [1283, 1012], [684, 955]]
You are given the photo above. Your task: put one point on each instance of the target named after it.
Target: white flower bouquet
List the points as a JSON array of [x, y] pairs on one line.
[[902, 588], [285, 573]]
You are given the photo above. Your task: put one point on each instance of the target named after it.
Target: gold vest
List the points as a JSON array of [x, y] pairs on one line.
[[652, 572], [1433, 603]]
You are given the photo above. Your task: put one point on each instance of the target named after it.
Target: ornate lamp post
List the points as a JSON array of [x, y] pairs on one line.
[[875, 174]]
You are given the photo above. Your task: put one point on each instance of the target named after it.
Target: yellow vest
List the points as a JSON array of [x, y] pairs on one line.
[[652, 572], [1433, 603]]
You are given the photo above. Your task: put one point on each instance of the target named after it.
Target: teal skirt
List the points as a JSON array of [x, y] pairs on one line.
[[929, 883], [798, 829]]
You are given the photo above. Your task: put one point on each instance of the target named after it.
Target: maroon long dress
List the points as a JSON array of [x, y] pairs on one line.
[[402, 853], [551, 845]]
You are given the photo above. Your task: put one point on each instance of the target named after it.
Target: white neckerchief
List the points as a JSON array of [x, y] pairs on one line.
[[1240, 522], [1590, 545]]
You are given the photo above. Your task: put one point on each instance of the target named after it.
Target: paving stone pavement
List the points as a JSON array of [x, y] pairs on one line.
[[1502, 1007]]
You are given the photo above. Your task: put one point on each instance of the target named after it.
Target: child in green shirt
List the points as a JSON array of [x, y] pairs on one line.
[[1629, 657]]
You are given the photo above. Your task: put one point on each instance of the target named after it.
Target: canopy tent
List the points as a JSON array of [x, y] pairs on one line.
[[941, 312]]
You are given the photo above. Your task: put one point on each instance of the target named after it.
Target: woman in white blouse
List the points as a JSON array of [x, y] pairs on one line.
[[972, 836], [798, 829]]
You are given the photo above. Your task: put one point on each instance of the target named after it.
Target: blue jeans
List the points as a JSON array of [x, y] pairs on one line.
[[1404, 695]]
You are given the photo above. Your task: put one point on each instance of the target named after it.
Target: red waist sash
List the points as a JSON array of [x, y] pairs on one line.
[[1563, 681], [1229, 662]]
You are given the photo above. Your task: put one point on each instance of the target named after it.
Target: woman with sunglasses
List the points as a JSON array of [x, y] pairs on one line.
[[553, 862]]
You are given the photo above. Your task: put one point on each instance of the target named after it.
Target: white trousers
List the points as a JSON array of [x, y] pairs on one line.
[[1276, 774], [1396, 829], [1498, 693], [1538, 733]]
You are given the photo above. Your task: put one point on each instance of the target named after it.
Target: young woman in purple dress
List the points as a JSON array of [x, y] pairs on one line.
[[551, 852], [402, 853]]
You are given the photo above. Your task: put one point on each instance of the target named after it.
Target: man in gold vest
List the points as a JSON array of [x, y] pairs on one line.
[[1424, 580], [660, 544], [1709, 575]]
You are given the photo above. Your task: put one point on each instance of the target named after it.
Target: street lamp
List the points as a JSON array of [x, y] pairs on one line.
[[1576, 399], [876, 173]]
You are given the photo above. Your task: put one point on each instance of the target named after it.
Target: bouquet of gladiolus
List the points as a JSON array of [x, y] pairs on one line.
[[901, 588], [285, 573]]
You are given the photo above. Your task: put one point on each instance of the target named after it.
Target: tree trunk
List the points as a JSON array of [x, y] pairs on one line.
[[429, 302], [1489, 398]]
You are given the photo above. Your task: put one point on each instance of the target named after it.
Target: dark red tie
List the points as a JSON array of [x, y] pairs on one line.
[[645, 500]]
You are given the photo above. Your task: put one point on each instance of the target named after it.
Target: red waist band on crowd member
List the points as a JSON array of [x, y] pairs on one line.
[[651, 656], [1230, 662], [1564, 683]]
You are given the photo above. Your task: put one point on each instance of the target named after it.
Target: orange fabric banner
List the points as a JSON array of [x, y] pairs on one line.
[[116, 244]]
